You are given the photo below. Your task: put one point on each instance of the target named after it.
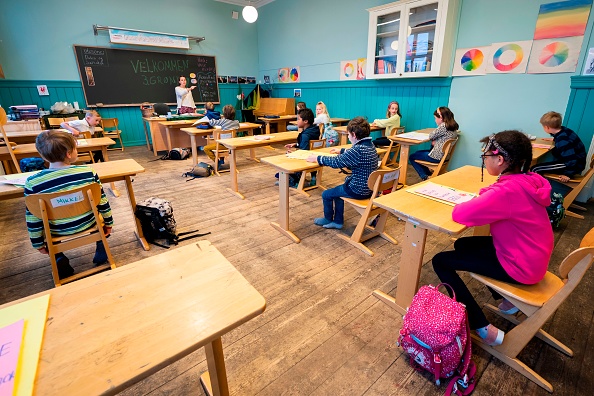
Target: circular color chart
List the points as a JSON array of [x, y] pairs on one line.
[[283, 75], [294, 74], [472, 59], [554, 54], [348, 70], [504, 52]]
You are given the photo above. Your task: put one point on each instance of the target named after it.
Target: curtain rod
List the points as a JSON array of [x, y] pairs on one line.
[[96, 28]]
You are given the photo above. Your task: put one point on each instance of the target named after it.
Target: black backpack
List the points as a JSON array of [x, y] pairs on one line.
[[201, 170], [555, 210], [157, 222], [176, 154]]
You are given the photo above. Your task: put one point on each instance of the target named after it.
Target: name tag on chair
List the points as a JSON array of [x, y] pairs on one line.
[[68, 199], [388, 177]]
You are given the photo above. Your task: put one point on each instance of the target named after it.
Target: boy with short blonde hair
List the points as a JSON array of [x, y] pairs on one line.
[[87, 124]]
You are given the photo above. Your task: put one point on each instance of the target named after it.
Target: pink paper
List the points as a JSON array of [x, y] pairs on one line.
[[11, 337]]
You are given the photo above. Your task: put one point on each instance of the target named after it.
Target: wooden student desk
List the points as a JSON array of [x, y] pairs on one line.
[[106, 332], [537, 153], [108, 172], [344, 136], [281, 121], [163, 133], [29, 136], [285, 167], [405, 150], [249, 142], [422, 214], [194, 132]]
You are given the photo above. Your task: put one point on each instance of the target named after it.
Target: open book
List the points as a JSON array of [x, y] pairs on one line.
[[440, 193]]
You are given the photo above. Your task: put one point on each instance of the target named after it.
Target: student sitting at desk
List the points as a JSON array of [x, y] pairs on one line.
[[362, 159], [226, 123], [59, 149], [392, 120], [299, 106], [323, 118], [522, 239], [185, 100], [210, 114], [88, 124], [309, 131]]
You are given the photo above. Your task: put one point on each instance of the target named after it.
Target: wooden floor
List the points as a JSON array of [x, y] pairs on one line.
[[322, 332]]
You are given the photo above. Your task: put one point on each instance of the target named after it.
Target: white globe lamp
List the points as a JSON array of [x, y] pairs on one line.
[[250, 14]]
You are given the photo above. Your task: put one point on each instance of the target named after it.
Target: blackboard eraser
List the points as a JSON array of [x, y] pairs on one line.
[[99, 104]]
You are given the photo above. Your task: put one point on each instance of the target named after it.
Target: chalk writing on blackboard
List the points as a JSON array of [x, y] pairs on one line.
[[95, 57]]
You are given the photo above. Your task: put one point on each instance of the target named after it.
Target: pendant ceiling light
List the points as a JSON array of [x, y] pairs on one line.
[[249, 13]]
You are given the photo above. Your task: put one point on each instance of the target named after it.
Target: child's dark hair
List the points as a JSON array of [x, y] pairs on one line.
[[359, 127], [447, 117], [307, 115], [301, 105], [54, 145], [513, 146], [229, 112]]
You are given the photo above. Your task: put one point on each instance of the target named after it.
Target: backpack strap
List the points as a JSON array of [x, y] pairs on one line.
[[190, 236]]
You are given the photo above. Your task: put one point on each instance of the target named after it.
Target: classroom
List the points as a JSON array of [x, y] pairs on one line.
[[317, 321]]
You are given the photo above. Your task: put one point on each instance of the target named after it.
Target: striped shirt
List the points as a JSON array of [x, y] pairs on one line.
[[63, 179], [362, 159], [224, 123], [440, 135], [570, 150]]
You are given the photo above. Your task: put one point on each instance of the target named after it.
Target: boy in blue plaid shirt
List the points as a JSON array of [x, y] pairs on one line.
[[362, 159]]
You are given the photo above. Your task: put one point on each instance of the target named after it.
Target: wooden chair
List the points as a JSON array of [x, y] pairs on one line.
[[85, 200], [54, 122], [378, 181], [390, 160], [66, 119], [313, 145], [538, 303], [111, 129], [220, 151], [577, 183], [441, 167], [6, 145]]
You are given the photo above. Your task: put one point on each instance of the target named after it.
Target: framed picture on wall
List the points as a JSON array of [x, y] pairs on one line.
[[223, 79], [232, 79], [297, 93]]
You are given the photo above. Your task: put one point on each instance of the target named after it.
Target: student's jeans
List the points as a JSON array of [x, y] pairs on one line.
[[292, 127], [334, 205], [472, 254], [422, 155]]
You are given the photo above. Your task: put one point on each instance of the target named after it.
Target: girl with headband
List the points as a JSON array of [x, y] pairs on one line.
[[521, 241]]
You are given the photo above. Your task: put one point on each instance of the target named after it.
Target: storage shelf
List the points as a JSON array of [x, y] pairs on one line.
[[388, 34]]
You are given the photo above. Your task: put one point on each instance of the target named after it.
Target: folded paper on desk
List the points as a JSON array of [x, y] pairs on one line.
[[82, 142], [17, 179], [263, 137], [414, 136], [542, 146], [444, 194]]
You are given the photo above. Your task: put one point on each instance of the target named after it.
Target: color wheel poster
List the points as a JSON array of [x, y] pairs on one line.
[[283, 75], [558, 55], [471, 61], [288, 74], [348, 70], [511, 57]]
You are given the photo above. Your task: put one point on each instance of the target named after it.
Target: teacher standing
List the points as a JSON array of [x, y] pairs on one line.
[[185, 100]]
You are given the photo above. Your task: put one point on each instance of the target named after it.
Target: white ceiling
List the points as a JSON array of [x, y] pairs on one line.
[[255, 3]]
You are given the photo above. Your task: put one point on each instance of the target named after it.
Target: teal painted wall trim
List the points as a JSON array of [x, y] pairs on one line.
[[579, 115], [418, 98], [16, 92]]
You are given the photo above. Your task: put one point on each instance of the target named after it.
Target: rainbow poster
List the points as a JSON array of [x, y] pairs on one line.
[[294, 74], [510, 57], [471, 61], [558, 55], [562, 19], [348, 70]]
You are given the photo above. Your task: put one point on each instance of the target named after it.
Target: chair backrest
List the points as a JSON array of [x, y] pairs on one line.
[[221, 134], [395, 131], [321, 125], [317, 144], [588, 239], [383, 179], [448, 150], [64, 204], [5, 142], [392, 150], [569, 198], [54, 122], [109, 123], [3, 116], [161, 108]]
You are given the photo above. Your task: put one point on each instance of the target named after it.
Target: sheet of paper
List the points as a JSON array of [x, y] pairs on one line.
[[414, 136], [304, 154], [82, 142], [262, 137], [448, 195], [17, 179], [34, 312], [539, 145], [11, 338]]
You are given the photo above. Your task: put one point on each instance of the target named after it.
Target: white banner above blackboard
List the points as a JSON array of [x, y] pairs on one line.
[[118, 36]]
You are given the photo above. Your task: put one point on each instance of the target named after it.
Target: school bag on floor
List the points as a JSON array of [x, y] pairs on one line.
[[202, 169], [176, 154], [555, 210], [157, 222], [436, 336]]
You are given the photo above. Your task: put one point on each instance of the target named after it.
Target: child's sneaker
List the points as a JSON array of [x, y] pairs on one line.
[[507, 307], [100, 257], [63, 264], [333, 225], [321, 221], [491, 335]]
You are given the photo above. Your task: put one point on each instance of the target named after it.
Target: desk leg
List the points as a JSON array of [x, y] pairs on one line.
[[148, 144], [283, 125], [343, 139], [132, 199], [194, 150], [168, 138], [404, 152], [283, 207], [114, 190], [214, 380], [411, 262], [233, 170], [268, 128], [252, 150]]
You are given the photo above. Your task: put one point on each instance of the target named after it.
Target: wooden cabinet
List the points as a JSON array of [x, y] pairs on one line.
[[413, 38]]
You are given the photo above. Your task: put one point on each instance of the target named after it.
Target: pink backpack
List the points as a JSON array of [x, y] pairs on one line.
[[436, 336]]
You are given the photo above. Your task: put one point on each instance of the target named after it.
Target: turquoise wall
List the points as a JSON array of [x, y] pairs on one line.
[[495, 102]]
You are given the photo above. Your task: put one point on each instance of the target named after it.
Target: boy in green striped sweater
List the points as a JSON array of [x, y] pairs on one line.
[[59, 149]]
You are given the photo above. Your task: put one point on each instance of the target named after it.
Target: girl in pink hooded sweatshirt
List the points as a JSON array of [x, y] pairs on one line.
[[522, 237]]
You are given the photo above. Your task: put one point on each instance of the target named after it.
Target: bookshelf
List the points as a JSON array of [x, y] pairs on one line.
[[411, 38]]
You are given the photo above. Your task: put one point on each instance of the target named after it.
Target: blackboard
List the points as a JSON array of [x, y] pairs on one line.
[[116, 77]]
